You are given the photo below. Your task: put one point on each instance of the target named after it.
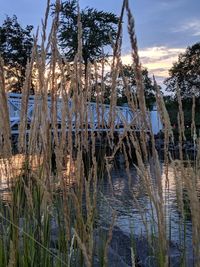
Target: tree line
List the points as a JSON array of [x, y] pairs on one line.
[[185, 77], [99, 29]]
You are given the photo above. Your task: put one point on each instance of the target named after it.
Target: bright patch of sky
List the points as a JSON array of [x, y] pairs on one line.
[[164, 27]]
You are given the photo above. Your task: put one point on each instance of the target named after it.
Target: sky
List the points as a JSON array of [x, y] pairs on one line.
[[164, 28]]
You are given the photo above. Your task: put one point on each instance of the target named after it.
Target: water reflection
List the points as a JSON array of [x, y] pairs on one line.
[[127, 195], [12, 168], [131, 201]]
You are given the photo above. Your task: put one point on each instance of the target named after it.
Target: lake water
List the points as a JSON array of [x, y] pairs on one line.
[[121, 198], [129, 218]]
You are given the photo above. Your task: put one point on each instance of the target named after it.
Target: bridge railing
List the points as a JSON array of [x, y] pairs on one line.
[[97, 114]]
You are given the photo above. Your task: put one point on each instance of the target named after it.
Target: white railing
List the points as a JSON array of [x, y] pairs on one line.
[[97, 115]]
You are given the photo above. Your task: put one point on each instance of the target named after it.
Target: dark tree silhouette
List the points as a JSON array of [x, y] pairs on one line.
[[97, 26], [130, 75], [15, 48], [186, 73]]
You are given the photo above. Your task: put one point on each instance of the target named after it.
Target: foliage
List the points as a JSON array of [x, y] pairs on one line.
[[173, 109], [15, 48], [186, 72], [130, 75], [98, 27]]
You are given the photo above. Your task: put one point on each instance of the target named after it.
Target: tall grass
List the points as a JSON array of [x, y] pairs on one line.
[[52, 216]]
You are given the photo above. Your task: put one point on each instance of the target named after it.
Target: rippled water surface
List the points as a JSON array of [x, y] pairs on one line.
[[133, 207], [126, 196]]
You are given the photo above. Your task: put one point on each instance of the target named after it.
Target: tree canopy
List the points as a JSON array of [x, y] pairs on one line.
[[15, 49], [149, 89], [97, 28], [186, 73], [130, 75]]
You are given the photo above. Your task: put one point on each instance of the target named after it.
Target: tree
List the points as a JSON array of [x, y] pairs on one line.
[[15, 48], [130, 75], [186, 73], [149, 90], [97, 27]]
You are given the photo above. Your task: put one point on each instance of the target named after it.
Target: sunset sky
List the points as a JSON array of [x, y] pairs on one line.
[[164, 27]]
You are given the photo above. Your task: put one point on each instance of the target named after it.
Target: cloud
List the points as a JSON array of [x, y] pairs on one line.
[[192, 27], [158, 60], [167, 4]]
